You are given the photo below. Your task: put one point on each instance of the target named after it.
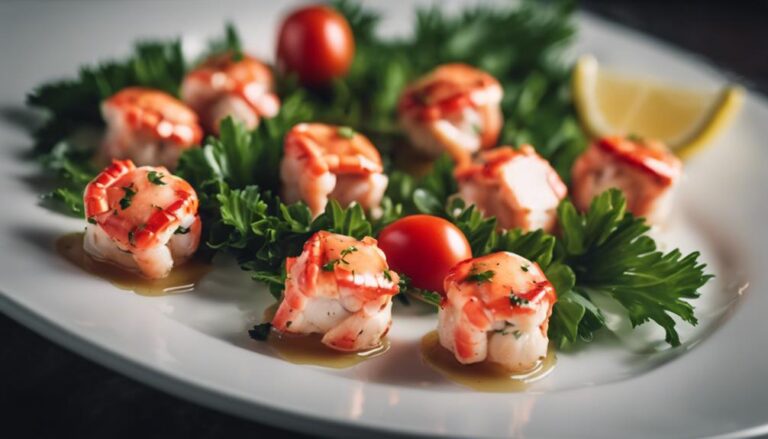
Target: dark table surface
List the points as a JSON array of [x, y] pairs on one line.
[[47, 391]]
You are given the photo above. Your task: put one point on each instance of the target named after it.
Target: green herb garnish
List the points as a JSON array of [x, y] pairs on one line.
[[346, 132], [516, 300], [129, 192], [333, 262], [426, 296], [611, 255], [347, 251], [480, 277], [261, 331], [156, 178], [635, 138]]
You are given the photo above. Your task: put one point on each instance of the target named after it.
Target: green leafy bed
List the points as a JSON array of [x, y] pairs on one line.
[[604, 251]]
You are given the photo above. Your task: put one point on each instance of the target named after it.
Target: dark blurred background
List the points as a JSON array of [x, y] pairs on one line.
[[47, 391], [730, 34]]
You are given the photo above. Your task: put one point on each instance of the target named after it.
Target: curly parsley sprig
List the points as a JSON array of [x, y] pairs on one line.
[[610, 253]]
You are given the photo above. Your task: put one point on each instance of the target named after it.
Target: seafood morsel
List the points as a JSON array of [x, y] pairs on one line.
[[497, 309], [455, 109], [231, 85], [518, 187], [149, 127], [324, 162], [645, 170], [141, 219], [339, 287]]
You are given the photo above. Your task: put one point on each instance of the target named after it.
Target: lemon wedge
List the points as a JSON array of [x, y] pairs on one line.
[[685, 119]]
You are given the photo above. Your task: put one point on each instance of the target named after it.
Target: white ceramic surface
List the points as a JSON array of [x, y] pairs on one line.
[[195, 345]]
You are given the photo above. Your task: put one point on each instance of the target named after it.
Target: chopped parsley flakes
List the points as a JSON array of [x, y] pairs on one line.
[[634, 137], [346, 132], [349, 250], [480, 277], [156, 178], [506, 331], [328, 266], [125, 202], [132, 234], [516, 300]]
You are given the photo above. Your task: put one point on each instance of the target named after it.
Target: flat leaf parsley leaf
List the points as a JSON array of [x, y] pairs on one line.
[[156, 178], [610, 253]]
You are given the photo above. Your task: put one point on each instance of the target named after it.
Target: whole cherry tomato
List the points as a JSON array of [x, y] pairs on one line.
[[424, 248], [316, 43]]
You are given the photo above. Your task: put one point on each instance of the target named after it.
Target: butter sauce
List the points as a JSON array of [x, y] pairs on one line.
[[180, 280], [309, 349], [484, 376]]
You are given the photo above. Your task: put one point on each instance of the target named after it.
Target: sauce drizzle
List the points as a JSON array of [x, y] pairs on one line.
[[181, 279], [308, 349], [484, 376]]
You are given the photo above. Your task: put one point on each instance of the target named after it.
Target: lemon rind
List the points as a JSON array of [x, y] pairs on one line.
[[710, 125]]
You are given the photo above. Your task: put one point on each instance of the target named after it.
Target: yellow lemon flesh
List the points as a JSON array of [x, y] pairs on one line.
[[685, 119]]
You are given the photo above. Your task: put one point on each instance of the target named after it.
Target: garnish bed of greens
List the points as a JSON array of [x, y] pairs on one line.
[[603, 251]]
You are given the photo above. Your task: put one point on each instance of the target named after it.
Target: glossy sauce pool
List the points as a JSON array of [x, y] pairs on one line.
[[308, 349], [181, 279], [485, 376]]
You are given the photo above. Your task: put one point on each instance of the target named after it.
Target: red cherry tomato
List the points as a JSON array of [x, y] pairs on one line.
[[424, 248], [315, 42]]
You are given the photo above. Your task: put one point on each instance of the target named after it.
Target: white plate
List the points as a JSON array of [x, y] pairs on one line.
[[195, 345]]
